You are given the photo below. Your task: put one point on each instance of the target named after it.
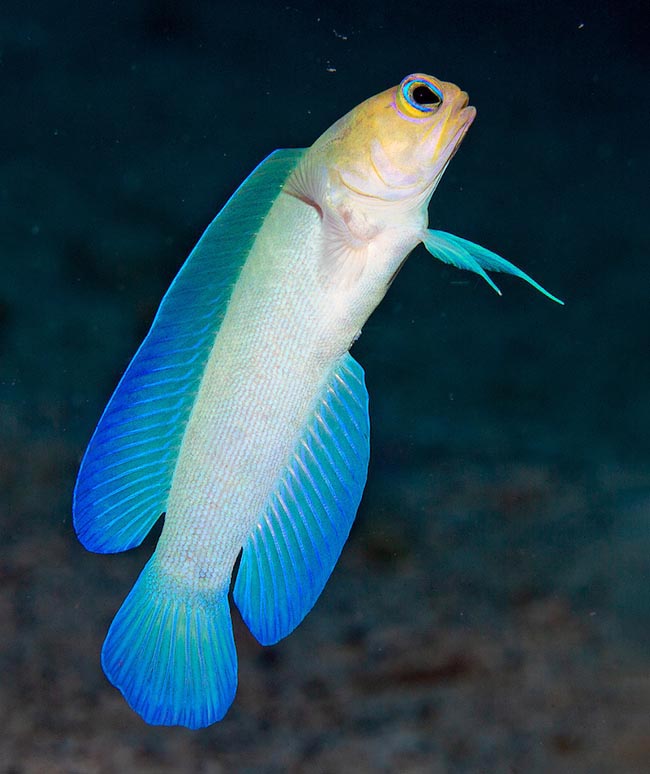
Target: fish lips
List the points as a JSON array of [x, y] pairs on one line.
[[462, 119]]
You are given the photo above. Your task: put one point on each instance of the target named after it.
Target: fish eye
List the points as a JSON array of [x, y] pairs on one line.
[[424, 96], [417, 97]]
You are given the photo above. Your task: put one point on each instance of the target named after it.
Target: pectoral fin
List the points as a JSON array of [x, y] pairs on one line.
[[464, 254]]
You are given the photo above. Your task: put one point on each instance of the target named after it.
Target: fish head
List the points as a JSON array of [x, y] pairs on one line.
[[395, 146]]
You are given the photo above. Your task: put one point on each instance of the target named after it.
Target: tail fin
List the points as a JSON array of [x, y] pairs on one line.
[[172, 654]]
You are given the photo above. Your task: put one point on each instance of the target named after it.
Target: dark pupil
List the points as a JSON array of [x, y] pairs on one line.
[[424, 96]]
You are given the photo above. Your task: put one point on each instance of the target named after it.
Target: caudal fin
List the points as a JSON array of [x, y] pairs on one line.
[[172, 655]]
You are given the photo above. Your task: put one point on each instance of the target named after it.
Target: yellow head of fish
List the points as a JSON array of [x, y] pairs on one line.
[[393, 147]]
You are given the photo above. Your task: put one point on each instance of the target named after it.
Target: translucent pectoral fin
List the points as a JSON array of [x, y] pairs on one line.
[[464, 254]]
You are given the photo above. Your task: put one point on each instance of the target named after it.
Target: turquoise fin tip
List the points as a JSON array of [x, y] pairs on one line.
[[464, 254], [172, 655]]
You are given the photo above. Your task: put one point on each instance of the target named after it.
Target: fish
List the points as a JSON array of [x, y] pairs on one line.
[[243, 418]]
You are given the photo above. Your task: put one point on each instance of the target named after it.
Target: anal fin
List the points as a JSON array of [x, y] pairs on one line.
[[292, 551]]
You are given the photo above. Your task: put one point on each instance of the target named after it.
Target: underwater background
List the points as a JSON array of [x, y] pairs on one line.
[[491, 609]]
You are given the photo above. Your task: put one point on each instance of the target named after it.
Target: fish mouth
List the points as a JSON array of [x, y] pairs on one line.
[[466, 114], [456, 125], [462, 118], [463, 115]]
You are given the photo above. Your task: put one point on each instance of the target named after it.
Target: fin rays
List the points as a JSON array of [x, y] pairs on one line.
[[464, 254], [144, 422], [291, 554], [172, 654]]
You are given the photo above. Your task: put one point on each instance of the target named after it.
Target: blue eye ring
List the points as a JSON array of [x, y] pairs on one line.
[[420, 94]]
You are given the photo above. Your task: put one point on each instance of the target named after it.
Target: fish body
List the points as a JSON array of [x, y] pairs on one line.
[[273, 354], [243, 417]]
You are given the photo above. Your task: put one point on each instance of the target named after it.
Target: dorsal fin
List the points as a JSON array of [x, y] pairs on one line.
[[126, 472], [292, 552]]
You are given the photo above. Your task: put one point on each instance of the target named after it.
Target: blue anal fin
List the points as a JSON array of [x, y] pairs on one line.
[[464, 254], [292, 551], [171, 653], [126, 473]]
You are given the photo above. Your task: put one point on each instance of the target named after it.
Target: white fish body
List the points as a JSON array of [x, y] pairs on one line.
[[243, 416], [274, 352]]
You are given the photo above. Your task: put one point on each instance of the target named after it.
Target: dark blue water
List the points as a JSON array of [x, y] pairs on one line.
[[491, 610]]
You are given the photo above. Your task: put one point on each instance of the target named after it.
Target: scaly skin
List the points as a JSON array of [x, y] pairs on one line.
[[329, 247]]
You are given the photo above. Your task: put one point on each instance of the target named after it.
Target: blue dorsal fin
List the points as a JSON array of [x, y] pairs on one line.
[[126, 473], [292, 552]]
